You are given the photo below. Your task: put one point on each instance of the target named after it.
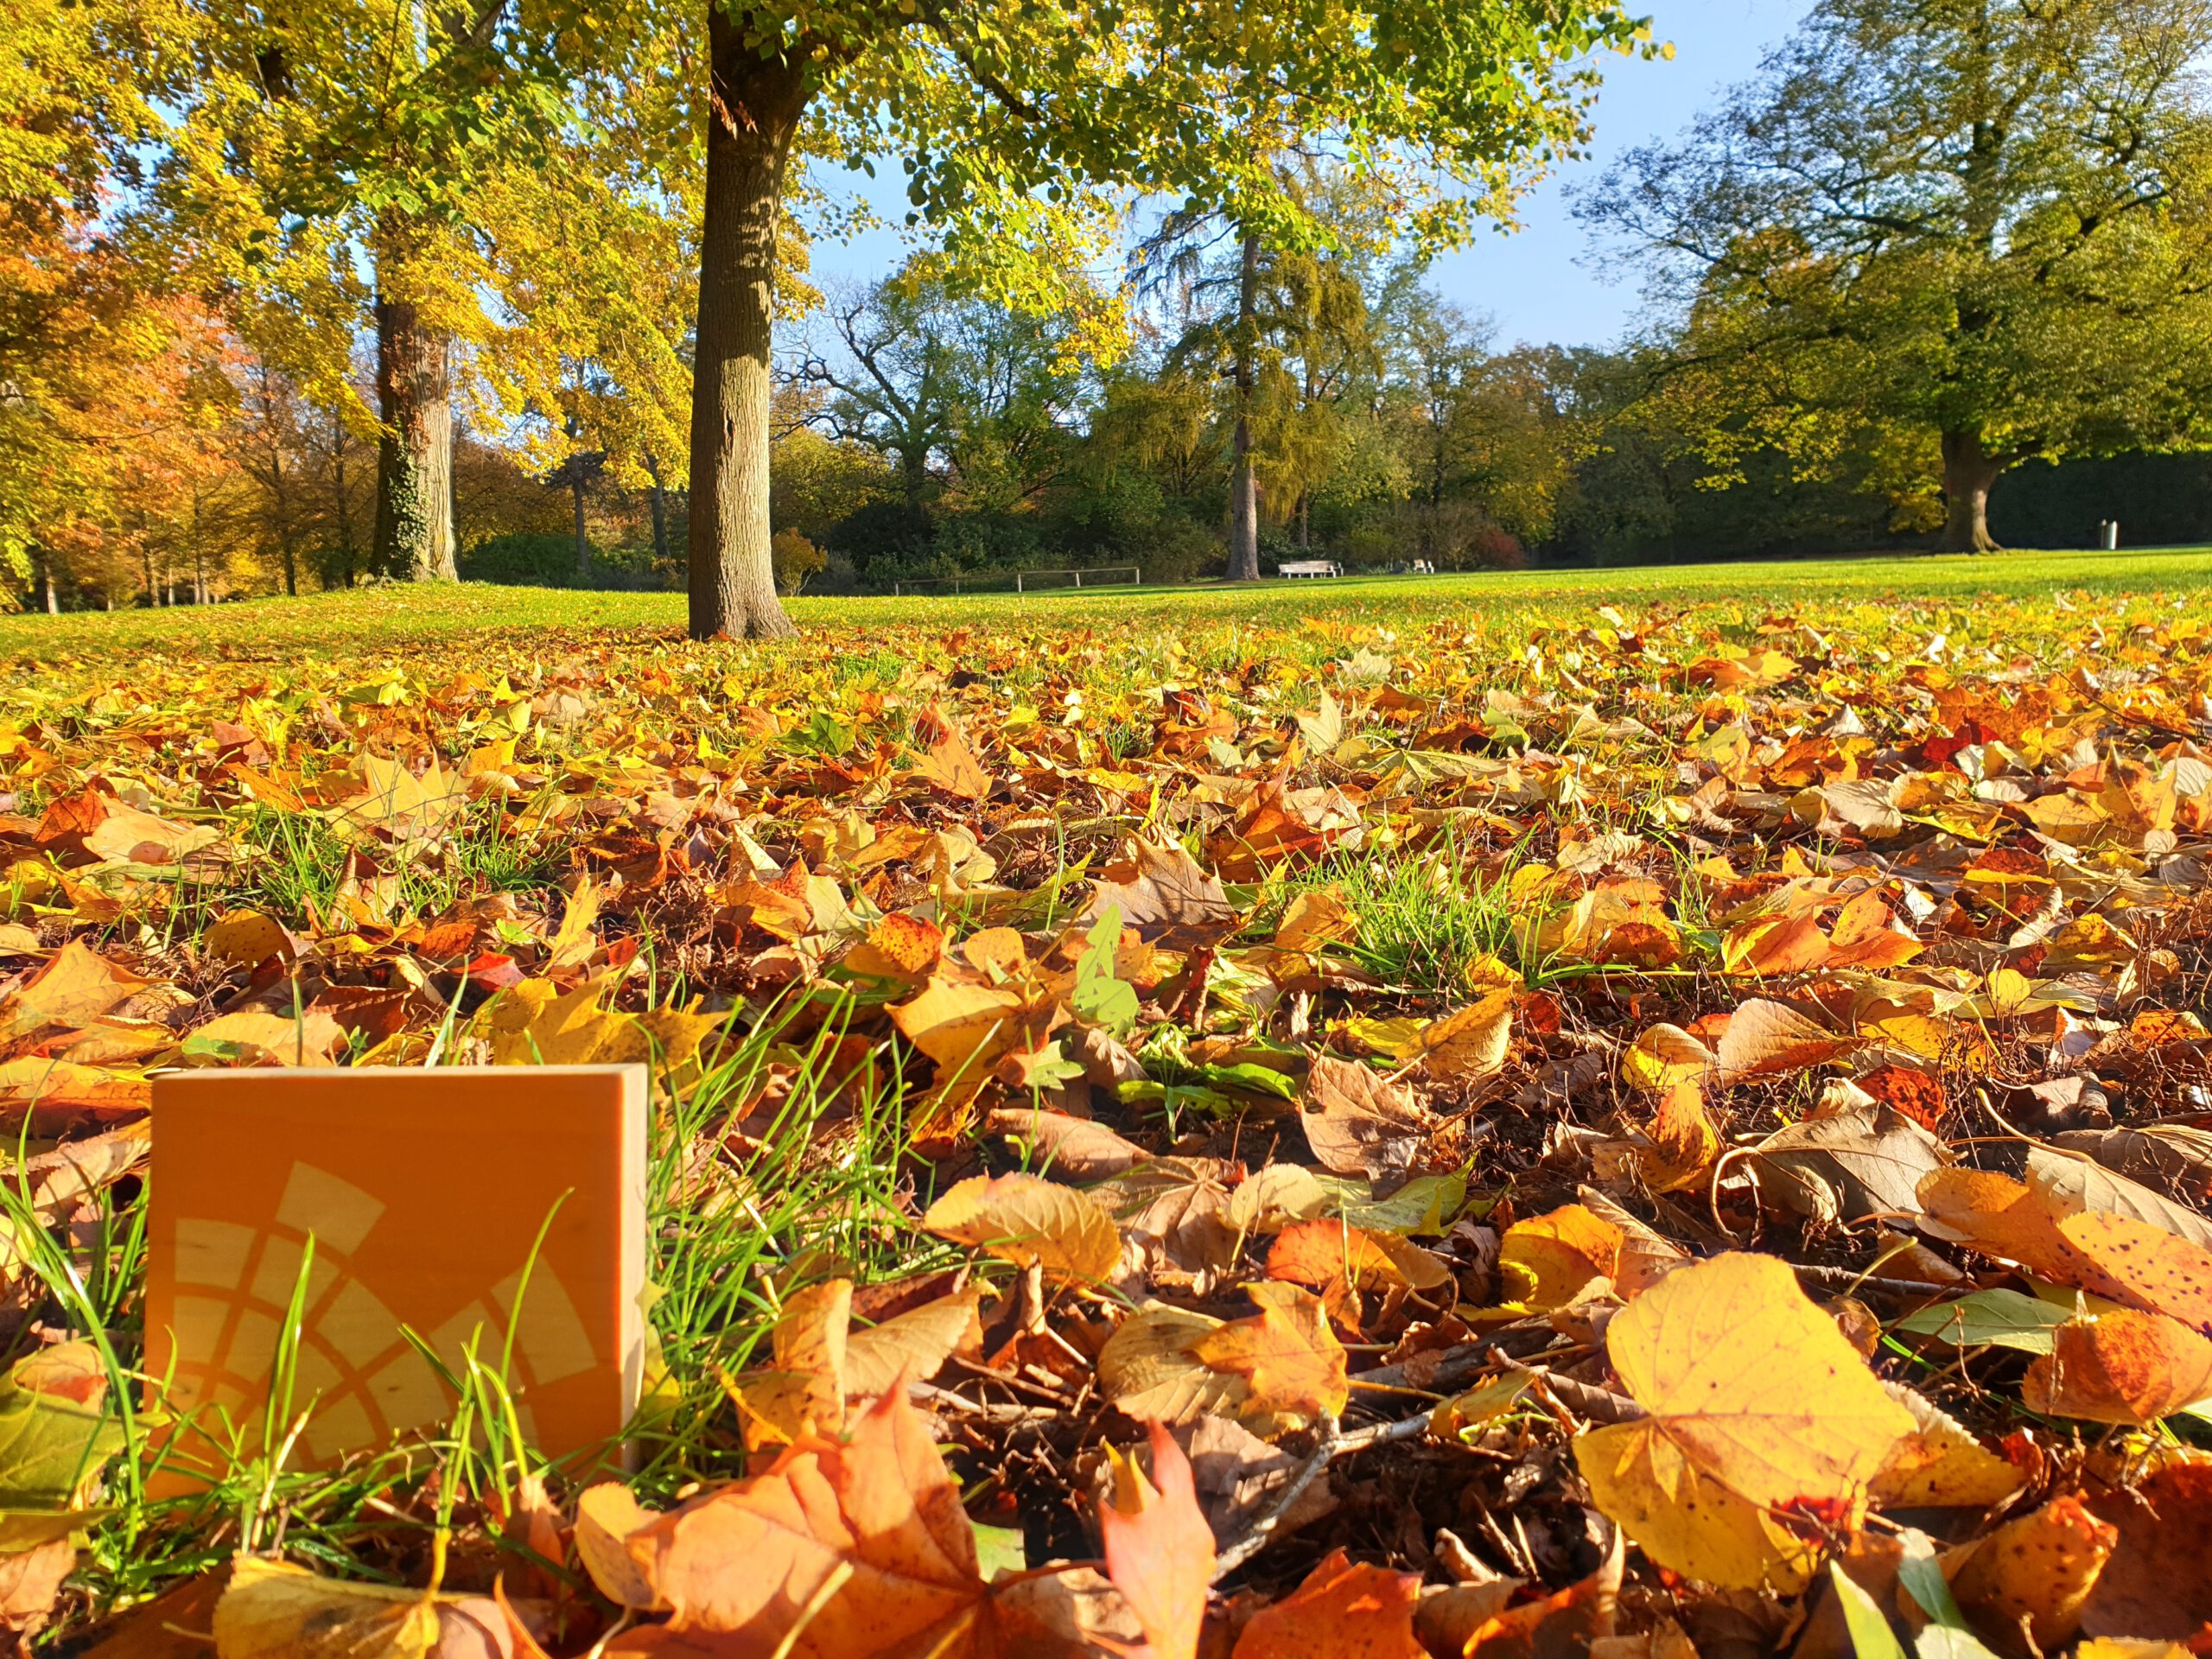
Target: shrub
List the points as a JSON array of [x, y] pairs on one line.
[[522, 559], [796, 559]]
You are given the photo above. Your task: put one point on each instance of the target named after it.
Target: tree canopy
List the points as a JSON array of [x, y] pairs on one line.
[[1955, 234]]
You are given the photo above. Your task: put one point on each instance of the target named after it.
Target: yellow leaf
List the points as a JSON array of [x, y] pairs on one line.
[[73, 989], [605, 1514], [962, 1026], [1316, 919], [275, 1610], [1022, 1218], [1758, 1402], [246, 938], [259, 1037], [1664, 1057]]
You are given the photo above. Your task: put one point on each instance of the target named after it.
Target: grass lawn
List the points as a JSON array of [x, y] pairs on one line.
[[1215, 915], [395, 616]]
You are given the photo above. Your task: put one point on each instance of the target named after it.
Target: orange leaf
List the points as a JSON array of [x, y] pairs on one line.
[[1567, 1622], [899, 947], [1549, 1259], [2032, 1574], [2155, 1270], [951, 765], [1321, 1251], [2154, 1583], [1341, 1611], [1159, 1550], [842, 1550], [2124, 1366], [1293, 1360]]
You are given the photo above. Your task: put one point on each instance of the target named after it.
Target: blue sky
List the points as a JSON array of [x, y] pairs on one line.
[[1539, 283]]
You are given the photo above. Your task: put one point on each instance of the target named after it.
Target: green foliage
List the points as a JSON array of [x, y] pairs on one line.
[[1936, 238]]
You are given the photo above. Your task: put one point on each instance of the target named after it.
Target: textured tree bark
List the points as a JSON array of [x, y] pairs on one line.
[[583, 544], [340, 501], [1243, 488], [1970, 472], [752, 115], [414, 533], [660, 512]]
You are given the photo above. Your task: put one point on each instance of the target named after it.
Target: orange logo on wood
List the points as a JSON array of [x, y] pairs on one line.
[[425, 1194]]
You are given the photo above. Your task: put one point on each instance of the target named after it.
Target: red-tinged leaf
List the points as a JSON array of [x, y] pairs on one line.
[[1159, 1550], [493, 972]]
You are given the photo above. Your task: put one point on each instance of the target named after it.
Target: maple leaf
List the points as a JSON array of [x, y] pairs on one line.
[[75, 987], [1160, 1551], [950, 764], [1166, 897], [854, 1549], [1758, 1404], [1359, 1122], [1343, 1610], [1287, 1352]]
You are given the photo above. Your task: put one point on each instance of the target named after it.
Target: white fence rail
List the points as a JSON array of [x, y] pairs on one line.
[[1024, 581]]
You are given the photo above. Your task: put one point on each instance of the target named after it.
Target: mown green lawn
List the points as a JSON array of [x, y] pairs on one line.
[[394, 615]]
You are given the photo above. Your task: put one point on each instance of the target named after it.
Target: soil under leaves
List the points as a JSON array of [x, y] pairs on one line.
[[1649, 1130]]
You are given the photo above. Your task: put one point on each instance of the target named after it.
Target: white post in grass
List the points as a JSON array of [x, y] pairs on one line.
[[2108, 534]]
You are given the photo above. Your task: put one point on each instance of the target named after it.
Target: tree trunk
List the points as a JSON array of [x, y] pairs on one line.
[[339, 501], [753, 113], [914, 477], [1243, 488], [414, 535], [1970, 472], [583, 546], [46, 581], [660, 513]]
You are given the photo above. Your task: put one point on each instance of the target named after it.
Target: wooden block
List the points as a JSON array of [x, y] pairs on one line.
[[425, 1193]]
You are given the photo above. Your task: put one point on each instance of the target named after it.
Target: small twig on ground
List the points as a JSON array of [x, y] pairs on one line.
[[1456, 1365], [1586, 1399], [1849, 1279], [1255, 1537], [1374, 1434], [983, 1410]]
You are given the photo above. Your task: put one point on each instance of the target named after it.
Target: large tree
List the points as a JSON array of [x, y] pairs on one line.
[[1948, 234], [308, 136], [1004, 109]]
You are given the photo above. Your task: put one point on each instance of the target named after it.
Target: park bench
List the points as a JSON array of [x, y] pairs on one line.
[[1309, 568]]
